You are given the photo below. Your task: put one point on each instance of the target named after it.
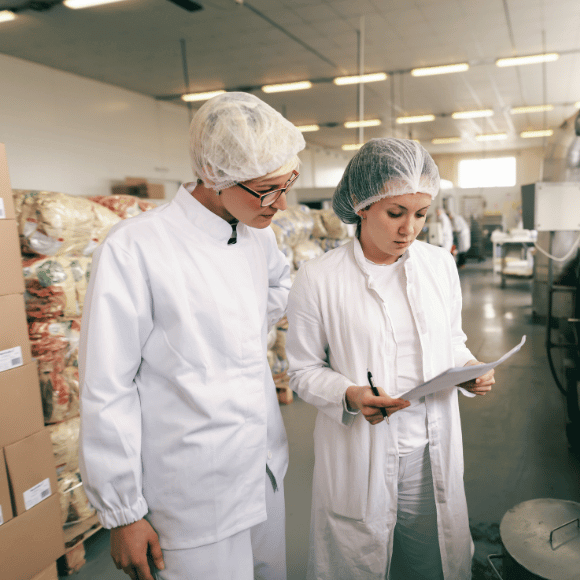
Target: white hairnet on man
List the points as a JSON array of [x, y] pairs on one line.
[[183, 449]]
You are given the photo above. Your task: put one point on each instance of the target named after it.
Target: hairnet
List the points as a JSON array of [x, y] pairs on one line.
[[384, 168], [237, 137]]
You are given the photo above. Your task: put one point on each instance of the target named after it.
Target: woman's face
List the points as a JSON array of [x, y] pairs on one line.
[[390, 226]]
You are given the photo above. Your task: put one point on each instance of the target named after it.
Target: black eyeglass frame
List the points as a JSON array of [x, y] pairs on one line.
[[271, 196]]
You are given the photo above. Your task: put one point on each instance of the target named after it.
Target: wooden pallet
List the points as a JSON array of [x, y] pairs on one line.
[[74, 545]]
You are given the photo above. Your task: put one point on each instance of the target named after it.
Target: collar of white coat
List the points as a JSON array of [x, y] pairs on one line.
[[360, 259], [201, 217]]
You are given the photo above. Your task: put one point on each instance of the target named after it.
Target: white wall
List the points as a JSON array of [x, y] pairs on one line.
[[78, 136]]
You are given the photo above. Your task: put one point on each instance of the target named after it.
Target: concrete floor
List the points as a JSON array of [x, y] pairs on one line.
[[514, 438]]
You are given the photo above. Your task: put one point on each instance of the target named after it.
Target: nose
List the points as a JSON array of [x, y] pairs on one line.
[[407, 227], [281, 203]]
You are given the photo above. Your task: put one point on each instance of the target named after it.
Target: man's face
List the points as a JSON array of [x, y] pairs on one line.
[[243, 206]]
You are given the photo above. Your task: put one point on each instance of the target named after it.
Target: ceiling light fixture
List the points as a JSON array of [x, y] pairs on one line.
[[74, 4], [416, 119], [368, 123], [542, 133], [283, 87], [472, 114], [6, 15], [531, 109], [445, 140], [354, 80], [531, 59], [352, 146], [491, 137], [189, 97], [439, 70], [577, 104], [308, 128]]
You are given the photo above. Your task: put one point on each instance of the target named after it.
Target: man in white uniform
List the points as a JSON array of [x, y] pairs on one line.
[[447, 233], [183, 449]]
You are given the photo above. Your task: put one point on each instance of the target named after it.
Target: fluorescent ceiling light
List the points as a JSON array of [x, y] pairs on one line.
[[283, 87], [542, 133], [368, 123], [491, 137], [201, 96], [6, 15], [445, 140], [416, 119], [87, 3], [532, 59], [308, 128], [352, 146], [472, 114], [439, 70], [531, 109], [353, 80]]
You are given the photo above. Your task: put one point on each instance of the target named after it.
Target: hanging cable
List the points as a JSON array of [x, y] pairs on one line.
[[563, 258]]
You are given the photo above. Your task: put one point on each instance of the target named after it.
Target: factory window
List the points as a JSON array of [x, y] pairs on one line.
[[498, 172]]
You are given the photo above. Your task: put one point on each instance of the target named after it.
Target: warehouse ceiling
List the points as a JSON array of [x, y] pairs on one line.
[[160, 49]]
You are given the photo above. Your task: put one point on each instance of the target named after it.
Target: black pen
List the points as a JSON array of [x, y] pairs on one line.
[[376, 394]]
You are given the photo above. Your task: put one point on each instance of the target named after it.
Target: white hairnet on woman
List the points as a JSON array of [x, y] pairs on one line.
[[388, 498], [383, 168], [236, 137]]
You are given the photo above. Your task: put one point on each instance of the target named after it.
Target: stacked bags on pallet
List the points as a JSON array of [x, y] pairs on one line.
[[58, 234], [302, 234]]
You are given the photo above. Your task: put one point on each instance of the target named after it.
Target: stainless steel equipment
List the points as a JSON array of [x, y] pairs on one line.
[[541, 541]]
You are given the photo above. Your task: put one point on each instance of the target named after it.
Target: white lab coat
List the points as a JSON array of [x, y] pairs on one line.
[[338, 328], [463, 232], [179, 413]]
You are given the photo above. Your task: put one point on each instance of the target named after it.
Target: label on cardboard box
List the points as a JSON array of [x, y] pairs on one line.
[[2, 210], [10, 358], [36, 494]]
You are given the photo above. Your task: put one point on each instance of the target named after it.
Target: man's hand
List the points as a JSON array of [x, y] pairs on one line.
[[363, 400], [481, 385], [134, 548]]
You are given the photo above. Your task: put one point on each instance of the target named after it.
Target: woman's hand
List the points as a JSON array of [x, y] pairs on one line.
[[481, 385], [362, 399]]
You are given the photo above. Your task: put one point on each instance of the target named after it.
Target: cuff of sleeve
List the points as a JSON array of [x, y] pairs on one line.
[[115, 518], [348, 416]]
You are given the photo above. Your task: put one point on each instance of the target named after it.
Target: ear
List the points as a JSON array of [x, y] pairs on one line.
[[361, 213]]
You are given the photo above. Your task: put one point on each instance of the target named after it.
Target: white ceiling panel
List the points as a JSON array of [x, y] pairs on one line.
[[232, 45]]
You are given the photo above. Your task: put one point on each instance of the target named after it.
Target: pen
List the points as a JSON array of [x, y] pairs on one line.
[[376, 394]]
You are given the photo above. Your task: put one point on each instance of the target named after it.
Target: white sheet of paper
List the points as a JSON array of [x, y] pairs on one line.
[[457, 375]]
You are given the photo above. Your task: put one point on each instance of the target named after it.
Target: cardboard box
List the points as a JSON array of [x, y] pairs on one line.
[[20, 404], [14, 342], [31, 542], [5, 501], [31, 471], [49, 573], [6, 202], [146, 189], [12, 279]]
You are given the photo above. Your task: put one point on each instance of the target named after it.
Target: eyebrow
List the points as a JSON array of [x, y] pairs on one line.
[[407, 209]]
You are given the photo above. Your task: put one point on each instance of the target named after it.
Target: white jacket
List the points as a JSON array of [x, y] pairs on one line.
[[179, 413], [338, 328], [463, 232]]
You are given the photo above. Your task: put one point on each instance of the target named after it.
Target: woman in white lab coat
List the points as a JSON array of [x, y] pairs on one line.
[[384, 491]]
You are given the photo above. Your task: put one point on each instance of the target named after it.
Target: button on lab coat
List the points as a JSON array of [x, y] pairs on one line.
[[338, 328], [179, 413]]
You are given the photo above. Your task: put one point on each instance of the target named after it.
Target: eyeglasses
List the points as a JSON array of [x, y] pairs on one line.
[[272, 196]]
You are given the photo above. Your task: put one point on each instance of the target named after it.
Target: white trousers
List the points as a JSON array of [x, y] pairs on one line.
[[256, 553], [416, 554]]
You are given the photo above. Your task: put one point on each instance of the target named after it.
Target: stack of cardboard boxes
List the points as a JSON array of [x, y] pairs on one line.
[[31, 537]]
